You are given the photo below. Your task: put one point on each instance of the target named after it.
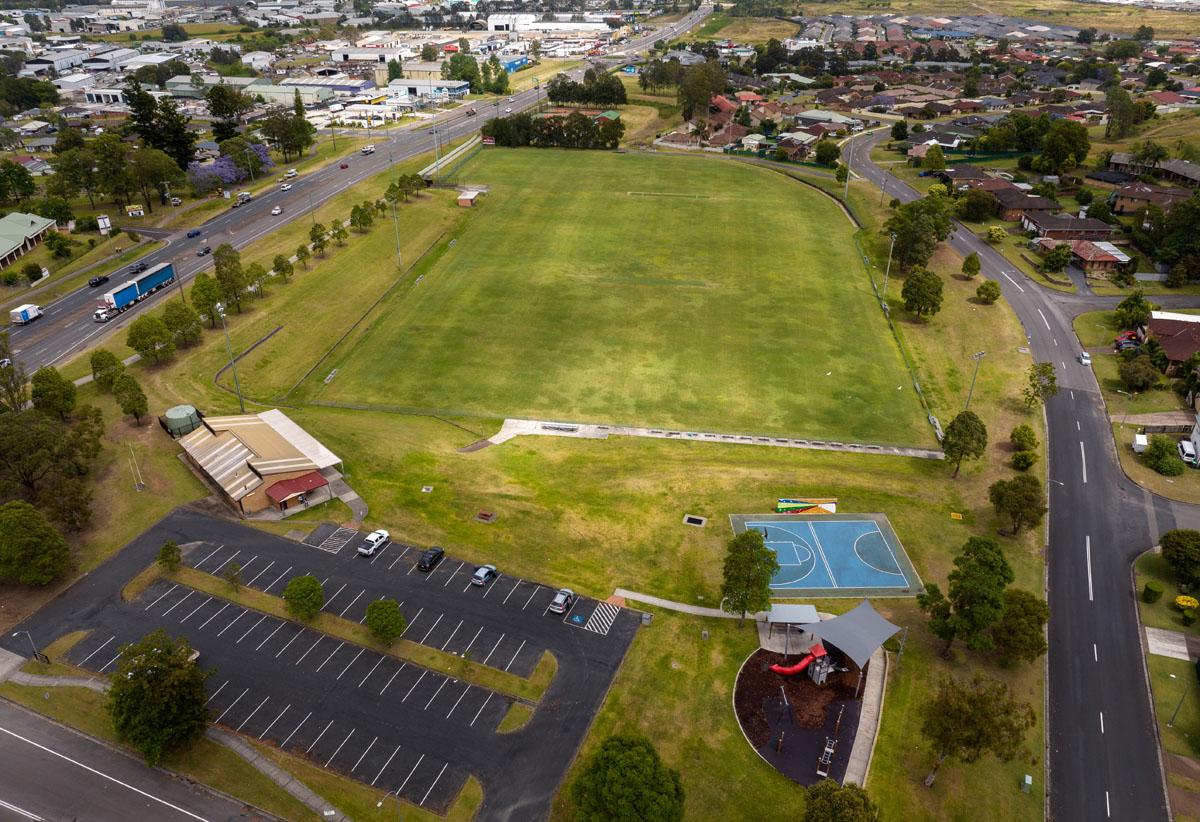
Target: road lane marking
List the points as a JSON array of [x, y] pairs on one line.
[[1088, 555], [335, 596], [452, 633], [1014, 282], [250, 584], [472, 642], [410, 773], [1044, 320], [431, 627], [456, 570], [356, 656], [1107, 807], [435, 694], [414, 619], [1083, 461], [494, 647], [315, 644], [20, 811], [217, 691], [378, 662], [460, 699], [335, 650], [1095, 653], [251, 628], [514, 656], [207, 558], [1102, 722], [214, 616], [351, 605], [230, 625], [268, 639], [389, 682], [214, 571], [273, 584], [289, 642], [177, 604], [510, 593], [101, 774], [93, 653], [536, 588]]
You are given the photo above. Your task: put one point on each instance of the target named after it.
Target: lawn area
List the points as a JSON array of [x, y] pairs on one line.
[[1161, 614], [485, 334], [1169, 678], [543, 71], [745, 30]]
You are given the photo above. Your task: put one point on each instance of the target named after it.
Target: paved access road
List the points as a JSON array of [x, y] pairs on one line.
[[1103, 759], [50, 773], [67, 327], [390, 724]]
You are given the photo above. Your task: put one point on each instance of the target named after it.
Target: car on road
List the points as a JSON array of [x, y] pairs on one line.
[[512, 99], [1085, 358], [367, 149], [562, 602], [1187, 453], [483, 575], [175, 201], [430, 558], [376, 540], [471, 112], [138, 268], [195, 232], [200, 252], [344, 166], [276, 211], [286, 187], [98, 281], [508, 110]]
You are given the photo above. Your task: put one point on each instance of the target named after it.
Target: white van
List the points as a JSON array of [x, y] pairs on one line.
[[1187, 452], [291, 174]]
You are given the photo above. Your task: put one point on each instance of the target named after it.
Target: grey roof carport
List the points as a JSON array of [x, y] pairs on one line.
[[856, 633]]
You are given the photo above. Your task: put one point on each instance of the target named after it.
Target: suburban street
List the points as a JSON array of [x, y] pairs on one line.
[[67, 327], [1103, 757], [52, 773]]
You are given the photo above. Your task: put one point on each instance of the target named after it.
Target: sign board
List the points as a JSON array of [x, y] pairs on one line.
[[489, 141], [104, 224], [135, 210], [955, 515]]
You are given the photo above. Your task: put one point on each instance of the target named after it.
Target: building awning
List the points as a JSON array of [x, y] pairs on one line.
[[856, 633], [288, 488], [792, 614]]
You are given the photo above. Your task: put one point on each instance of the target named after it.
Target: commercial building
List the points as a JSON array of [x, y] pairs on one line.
[[440, 89], [20, 233]]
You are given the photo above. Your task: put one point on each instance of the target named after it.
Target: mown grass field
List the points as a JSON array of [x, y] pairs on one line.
[[641, 290], [745, 30]]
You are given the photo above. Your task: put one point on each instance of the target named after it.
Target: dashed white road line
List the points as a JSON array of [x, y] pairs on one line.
[[1044, 320], [1095, 653], [1087, 547], [1014, 282], [1083, 461], [1102, 722]]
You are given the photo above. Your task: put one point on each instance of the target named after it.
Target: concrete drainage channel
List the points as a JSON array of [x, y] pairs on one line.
[[548, 428]]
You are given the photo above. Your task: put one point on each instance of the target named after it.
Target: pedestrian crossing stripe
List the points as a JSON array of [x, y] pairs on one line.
[[602, 618]]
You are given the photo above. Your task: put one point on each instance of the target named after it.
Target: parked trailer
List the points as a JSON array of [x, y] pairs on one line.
[[24, 314], [132, 291]]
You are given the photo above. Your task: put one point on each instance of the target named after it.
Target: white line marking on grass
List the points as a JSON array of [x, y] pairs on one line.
[[276, 582], [318, 739], [251, 628], [252, 713], [250, 584], [1087, 547], [339, 747], [356, 656], [389, 682], [93, 653], [289, 642], [414, 685], [494, 647], [160, 596], [452, 633], [472, 642], [368, 676], [385, 765], [177, 604], [435, 694], [293, 733], [207, 558], [217, 721], [217, 691], [194, 610], [102, 775], [273, 721], [520, 648], [460, 699], [230, 625], [214, 616], [301, 659], [364, 755], [435, 781], [268, 639], [351, 605], [431, 627], [335, 650], [410, 773]]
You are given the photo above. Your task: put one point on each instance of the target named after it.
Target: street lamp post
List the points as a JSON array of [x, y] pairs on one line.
[[250, 165], [220, 309], [1187, 686], [977, 356], [311, 213], [31, 645], [1125, 416], [887, 272], [396, 224]]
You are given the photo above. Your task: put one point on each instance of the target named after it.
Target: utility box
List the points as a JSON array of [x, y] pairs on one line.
[[1140, 443]]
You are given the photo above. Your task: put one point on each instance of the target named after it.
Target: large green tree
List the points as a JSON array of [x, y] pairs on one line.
[[304, 596], [749, 566], [385, 621], [922, 292], [973, 602], [1041, 383], [206, 293], [183, 322], [966, 437], [149, 336], [827, 801], [966, 720], [157, 699], [1181, 551], [918, 227], [1021, 632], [52, 393], [625, 781], [32, 552], [1134, 310], [1019, 499], [129, 396], [105, 368], [227, 264]]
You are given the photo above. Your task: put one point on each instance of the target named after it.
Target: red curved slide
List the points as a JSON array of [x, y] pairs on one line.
[[813, 652]]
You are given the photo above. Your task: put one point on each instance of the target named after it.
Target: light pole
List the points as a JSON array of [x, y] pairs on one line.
[[887, 272], [396, 224], [250, 165], [220, 309], [1125, 416], [311, 212], [31, 645], [977, 356], [1187, 687]]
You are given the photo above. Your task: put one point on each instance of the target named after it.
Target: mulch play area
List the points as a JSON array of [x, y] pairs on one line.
[[809, 717]]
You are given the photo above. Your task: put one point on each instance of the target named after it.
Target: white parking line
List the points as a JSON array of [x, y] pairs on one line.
[[230, 625], [435, 781], [385, 765], [250, 584], [207, 558], [379, 553], [251, 628], [408, 627], [460, 699], [194, 610], [531, 596], [412, 568], [252, 713], [368, 676], [351, 605], [361, 651], [472, 642], [268, 639], [431, 627], [217, 691], [414, 685], [494, 647], [452, 633], [389, 682], [177, 604], [213, 572], [273, 721], [8, 806], [289, 642], [492, 585], [335, 596], [217, 721], [514, 656], [339, 747], [510, 593], [364, 755], [456, 570], [315, 644], [276, 582], [293, 733], [214, 616], [335, 650], [93, 653], [110, 662], [410, 773], [318, 739], [435, 694], [160, 596]]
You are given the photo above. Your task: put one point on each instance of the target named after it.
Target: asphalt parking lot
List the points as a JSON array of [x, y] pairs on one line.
[[387, 723]]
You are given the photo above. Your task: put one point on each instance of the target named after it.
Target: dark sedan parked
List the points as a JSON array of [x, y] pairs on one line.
[[430, 559]]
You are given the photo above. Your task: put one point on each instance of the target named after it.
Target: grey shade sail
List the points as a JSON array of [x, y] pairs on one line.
[[856, 633]]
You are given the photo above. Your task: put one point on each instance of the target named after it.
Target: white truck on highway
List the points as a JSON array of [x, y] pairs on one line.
[[25, 314], [367, 149]]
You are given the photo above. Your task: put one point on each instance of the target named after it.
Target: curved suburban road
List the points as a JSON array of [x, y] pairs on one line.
[[1103, 754]]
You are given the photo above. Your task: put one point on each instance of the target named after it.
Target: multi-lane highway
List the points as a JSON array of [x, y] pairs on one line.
[[67, 327], [1103, 757]]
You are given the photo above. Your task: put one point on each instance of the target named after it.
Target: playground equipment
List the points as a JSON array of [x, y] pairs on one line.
[[814, 653], [814, 505], [825, 760]]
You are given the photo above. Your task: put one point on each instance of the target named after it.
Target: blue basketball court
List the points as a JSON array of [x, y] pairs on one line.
[[837, 555]]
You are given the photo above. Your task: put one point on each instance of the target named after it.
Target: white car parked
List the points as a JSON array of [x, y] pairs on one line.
[[376, 541], [1187, 453]]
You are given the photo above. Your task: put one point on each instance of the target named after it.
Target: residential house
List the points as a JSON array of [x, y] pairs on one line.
[[1091, 257], [1136, 196], [1014, 204], [1066, 227], [1178, 334], [1175, 171]]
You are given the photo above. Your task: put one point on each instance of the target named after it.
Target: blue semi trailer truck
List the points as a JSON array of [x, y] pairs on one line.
[[132, 291]]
